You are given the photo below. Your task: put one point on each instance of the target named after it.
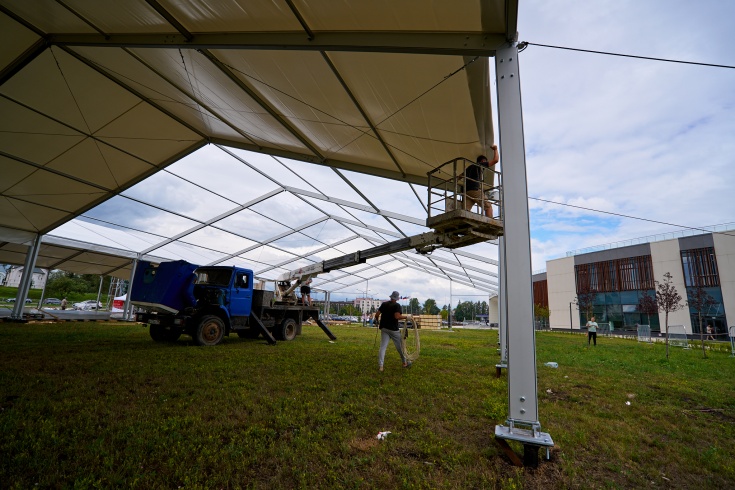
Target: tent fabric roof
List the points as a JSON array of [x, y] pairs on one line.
[[96, 97]]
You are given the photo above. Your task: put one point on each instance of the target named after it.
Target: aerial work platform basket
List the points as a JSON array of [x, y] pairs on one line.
[[454, 210]]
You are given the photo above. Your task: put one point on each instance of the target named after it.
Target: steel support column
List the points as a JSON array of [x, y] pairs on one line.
[[127, 309], [522, 423], [26, 278], [43, 291], [502, 322], [99, 293]]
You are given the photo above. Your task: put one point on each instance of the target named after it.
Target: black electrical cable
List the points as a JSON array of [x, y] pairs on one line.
[[650, 58], [631, 217]]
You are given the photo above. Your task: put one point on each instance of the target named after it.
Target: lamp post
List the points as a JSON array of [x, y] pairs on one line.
[[570, 317], [450, 303]]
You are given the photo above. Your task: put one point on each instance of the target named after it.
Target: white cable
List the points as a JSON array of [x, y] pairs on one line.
[[410, 352]]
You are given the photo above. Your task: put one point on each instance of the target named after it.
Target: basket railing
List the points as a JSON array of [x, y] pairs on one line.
[[448, 189]]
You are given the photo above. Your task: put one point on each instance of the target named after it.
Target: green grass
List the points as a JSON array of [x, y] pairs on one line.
[[87, 405]]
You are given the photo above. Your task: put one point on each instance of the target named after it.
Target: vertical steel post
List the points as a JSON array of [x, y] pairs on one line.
[[128, 308], [503, 323], [43, 291], [99, 293], [327, 306], [26, 278], [449, 318], [522, 388]]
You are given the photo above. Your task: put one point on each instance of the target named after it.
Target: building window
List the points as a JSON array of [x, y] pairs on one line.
[[700, 267], [629, 274], [541, 293]]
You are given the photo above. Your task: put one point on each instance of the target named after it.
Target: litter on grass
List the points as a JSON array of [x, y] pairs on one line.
[[383, 435], [551, 364]]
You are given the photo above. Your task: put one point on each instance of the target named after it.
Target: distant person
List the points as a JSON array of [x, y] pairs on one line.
[[474, 176], [63, 304], [388, 315], [306, 293], [592, 331], [710, 331]]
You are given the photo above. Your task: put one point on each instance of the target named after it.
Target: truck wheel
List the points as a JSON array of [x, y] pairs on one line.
[[210, 331], [160, 333], [287, 330]]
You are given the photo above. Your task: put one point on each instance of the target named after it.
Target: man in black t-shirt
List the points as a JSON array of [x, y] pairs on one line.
[[388, 315], [306, 293], [474, 182]]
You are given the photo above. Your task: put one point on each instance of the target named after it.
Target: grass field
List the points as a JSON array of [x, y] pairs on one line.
[[100, 405]]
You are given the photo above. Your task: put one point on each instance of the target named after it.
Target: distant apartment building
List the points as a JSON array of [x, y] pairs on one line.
[[619, 276], [366, 305], [15, 274]]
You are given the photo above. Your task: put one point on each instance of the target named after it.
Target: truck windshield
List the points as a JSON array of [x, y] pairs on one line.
[[214, 277]]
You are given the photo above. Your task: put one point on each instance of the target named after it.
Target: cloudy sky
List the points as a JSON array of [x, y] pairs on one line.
[[635, 137], [627, 136]]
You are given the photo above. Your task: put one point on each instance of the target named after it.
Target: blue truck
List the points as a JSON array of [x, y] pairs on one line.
[[210, 302]]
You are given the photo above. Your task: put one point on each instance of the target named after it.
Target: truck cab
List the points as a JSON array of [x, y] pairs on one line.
[[229, 288]]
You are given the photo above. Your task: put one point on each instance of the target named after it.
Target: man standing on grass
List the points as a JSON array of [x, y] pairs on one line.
[[592, 331], [388, 315]]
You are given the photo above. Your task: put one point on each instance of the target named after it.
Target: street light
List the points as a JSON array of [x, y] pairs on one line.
[[575, 302]]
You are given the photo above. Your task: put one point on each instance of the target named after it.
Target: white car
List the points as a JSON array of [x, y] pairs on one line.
[[89, 304]]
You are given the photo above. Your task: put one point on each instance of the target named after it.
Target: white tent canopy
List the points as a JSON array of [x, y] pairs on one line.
[[99, 96]]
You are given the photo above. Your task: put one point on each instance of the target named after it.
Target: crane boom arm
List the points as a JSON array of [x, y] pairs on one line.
[[459, 229]]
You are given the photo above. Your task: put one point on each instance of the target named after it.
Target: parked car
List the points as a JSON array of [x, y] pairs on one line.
[[89, 304], [12, 300], [52, 301]]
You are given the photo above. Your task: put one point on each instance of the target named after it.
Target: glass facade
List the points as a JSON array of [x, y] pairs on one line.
[[621, 309], [700, 270], [617, 286]]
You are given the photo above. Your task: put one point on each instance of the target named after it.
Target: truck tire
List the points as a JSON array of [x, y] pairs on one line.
[[287, 330], [159, 333], [209, 331]]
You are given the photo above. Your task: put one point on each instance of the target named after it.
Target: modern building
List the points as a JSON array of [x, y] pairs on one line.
[[616, 278]]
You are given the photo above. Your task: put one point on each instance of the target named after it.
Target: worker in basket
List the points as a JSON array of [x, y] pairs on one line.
[[474, 182]]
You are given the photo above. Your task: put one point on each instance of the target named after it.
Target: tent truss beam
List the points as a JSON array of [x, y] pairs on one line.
[[443, 43]]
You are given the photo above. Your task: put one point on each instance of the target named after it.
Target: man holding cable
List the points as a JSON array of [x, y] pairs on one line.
[[388, 315]]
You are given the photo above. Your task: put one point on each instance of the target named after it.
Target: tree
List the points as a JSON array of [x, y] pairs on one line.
[[647, 305], [430, 307], [541, 314], [700, 301], [62, 284], [585, 300], [413, 306], [668, 300], [444, 313]]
